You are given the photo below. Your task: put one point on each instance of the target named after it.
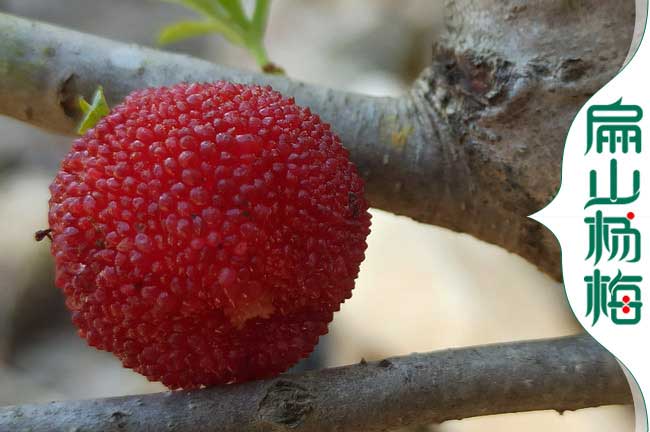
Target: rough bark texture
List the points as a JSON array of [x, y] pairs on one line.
[[508, 79], [475, 147], [560, 374]]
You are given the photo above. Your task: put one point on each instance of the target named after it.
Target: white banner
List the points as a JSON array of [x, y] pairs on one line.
[[601, 217]]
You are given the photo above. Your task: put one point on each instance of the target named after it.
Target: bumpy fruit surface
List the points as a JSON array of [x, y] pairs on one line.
[[206, 233]]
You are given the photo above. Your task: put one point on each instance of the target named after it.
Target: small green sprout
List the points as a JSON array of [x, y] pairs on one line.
[[227, 18], [93, 112]]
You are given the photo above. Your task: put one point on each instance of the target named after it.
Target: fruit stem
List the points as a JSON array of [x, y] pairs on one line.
[[257, 49]]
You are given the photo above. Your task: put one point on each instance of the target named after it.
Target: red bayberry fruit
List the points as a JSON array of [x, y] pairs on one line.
[[206, 233]]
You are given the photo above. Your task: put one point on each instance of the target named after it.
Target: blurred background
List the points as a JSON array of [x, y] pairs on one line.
[[421, 288]]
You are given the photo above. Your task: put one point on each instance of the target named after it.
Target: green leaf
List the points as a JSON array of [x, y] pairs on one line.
[[83, 105], [215, 10], [260, 17], [202, 7], [187, 29], [235, 12], [228, 18], [94, 112]]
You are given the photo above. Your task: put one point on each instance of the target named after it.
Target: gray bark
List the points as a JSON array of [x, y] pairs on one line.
[[559, 374], [475, 146]]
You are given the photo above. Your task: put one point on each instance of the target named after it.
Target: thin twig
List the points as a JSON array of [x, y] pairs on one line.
[[559, 374]]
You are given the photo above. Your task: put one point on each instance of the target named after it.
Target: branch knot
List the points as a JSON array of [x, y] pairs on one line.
[[285, 405]]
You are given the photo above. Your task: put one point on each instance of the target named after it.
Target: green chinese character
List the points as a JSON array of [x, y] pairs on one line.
[[610, 233], [613, 127], [596, 295], [624, 294], [613, 197]]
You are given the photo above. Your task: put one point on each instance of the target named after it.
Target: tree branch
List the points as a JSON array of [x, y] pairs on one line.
[[475, 147], [560, 374]]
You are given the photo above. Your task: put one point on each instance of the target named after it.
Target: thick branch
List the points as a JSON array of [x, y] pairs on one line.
[[560, 374], [475, 147]]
